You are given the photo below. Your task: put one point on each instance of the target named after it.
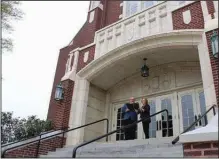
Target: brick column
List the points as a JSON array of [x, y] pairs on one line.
[[63, 107]]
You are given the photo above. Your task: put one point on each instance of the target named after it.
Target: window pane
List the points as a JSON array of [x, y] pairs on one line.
[[153, 125], [153, 133], [202, 102], [191, 120], [132, 7], [185, 122], [147, 4]]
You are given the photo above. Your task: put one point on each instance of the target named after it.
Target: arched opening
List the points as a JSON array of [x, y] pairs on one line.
[[175, 83]]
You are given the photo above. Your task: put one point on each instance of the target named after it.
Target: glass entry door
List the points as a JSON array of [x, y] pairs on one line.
[[201, 107], [153, 124], [118, 122], [165, 102], [191, 107]]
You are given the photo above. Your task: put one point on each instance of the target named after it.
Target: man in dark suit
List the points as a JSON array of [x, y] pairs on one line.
[[130, 116]]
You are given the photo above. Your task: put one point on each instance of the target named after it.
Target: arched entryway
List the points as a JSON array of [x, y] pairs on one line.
[[169, 53]]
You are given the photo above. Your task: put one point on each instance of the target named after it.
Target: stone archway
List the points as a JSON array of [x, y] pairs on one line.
[[175, 39]]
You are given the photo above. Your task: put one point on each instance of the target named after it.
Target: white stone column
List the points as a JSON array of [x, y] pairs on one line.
[[72, 70], [78, 110], [207, 75]]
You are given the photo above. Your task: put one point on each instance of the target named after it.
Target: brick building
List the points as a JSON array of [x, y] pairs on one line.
[[100, 69]]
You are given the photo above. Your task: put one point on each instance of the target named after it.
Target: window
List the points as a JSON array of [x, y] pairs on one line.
[[148, 4], [132, 7]]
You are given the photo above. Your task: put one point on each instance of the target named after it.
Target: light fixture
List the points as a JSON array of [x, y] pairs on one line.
[[214, 44], [59, 92], [144, 69]]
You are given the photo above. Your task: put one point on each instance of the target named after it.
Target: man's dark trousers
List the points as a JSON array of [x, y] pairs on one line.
[[130, 132]]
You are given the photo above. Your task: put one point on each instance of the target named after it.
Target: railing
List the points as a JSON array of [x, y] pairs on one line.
[[194, 123], [112, 132], [11, 143], [39, 140]]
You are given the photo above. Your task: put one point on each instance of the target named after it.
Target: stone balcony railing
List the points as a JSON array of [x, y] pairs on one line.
[[148, 22], [155, 20]]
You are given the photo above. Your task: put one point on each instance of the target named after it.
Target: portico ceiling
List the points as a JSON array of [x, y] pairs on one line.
[[127, 67]]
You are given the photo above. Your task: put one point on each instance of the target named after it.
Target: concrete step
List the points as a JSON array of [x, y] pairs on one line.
[[151, 142], [133, 148], [122, 152]]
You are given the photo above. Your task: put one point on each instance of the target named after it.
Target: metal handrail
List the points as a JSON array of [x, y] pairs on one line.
[[11, 143], [3, 154], [194, 123], [112, 132]]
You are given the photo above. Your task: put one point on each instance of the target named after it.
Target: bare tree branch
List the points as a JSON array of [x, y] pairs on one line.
[[9, 11]]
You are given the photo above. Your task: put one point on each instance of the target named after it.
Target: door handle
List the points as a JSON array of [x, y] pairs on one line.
[[159, 124], [200, 122], [196, 120]]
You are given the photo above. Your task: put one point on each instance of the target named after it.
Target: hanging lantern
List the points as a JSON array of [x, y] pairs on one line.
[[214, 44], [59, 92], [144, 69]]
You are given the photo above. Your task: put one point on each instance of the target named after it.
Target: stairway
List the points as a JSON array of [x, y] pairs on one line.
[[133, 148]]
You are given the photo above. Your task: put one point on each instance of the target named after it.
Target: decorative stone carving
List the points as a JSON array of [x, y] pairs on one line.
[[130, 31], [187, 17], [155, 83], [86, 54], [145, 86], [166, 81]]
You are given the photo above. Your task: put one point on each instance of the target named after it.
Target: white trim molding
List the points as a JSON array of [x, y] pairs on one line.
[[177, 37], [72, 73], [84, 47], [211, 25]]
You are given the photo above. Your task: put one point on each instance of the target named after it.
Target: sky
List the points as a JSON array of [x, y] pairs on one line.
[[28, 72]]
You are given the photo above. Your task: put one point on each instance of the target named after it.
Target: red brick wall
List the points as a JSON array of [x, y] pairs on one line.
[[63, 107], [113, 12], [86, 34], [197, 19], [81, 63], [59, 73], [84, 37], [214, 64], [30, 150], [210, 6], [202, 149]]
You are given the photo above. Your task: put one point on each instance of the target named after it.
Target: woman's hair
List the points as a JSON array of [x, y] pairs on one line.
[[146, 100]]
